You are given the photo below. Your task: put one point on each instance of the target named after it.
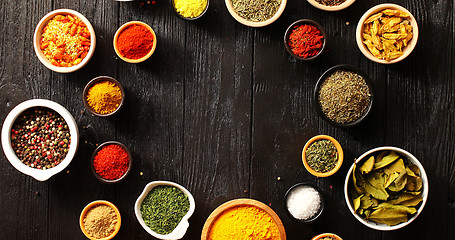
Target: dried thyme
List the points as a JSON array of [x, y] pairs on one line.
[[344, 96], [256, 10], [322, 156], [330, 2], [164, 208]]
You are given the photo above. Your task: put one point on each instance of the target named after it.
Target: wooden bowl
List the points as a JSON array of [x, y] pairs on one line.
[[88, 207], [339, 150], [342, 6], [93, 82], [323, 235], [240, 202], [139, 59], [255, 24]]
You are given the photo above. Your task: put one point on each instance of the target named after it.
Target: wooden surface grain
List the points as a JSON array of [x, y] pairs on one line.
[[224, 110]]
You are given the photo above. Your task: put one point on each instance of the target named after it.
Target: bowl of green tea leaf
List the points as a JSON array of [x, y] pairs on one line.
[[258, 13], [386, 188]]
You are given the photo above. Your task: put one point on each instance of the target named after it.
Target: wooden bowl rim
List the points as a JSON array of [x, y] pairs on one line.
[[92, 204], [240, 202], [339, 150]]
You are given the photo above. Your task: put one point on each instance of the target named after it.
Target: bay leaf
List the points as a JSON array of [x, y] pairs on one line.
[[399, 183], [358, 180], [410, 172], [387, 205], [393, 171], [402, 198], [386, 160], [366, 201], [390, 217], [413, 201], [367, 166], [374, 185], [414, 169], [356, 202]]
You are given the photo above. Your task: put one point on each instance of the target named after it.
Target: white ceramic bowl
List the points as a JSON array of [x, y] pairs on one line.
[[406, 155], [181, 228], [255, 24], [342, 6], [406, 50], [38, 174], [37, 38]]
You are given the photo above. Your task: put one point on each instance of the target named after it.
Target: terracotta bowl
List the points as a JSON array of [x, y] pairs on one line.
[[139, 59], [95, 203], [339, 150]]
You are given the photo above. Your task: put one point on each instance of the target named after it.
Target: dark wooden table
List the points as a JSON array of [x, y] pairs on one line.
[[224, 110]]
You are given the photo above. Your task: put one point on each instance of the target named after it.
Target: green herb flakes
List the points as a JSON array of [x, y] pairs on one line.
[[322, 156], [163, 208]]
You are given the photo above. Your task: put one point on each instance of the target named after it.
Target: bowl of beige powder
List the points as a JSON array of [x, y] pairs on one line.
[[100, 220]]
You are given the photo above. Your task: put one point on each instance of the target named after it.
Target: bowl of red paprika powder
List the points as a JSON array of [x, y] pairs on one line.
[[305, 39], [134, 42], [111, 162]]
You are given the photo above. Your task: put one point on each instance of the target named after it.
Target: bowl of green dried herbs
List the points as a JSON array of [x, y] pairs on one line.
[[163, 209], [343, 96], [322, 156], [258, 13], [386, 188]]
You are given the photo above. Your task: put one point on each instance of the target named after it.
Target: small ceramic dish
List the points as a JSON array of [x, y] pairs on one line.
[[90, 206], [342, 67], [96, 152], [39, 174], [326, 235], [342, 6], [241, 202], [38, 34], [181, 228], [406, 156], [302, 22], [376, 9], [339, 152], [312, 218], [255, 24], [97, 80], [139, 59], [189, 18]]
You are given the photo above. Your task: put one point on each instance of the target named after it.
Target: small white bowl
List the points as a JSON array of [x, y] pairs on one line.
[[181, 228], [408, 156], [406, 50], [255, 24], [342, 6], [37, 39], [39, 174]]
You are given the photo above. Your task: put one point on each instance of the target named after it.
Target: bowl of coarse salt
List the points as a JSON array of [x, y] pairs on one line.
[[304, 203]]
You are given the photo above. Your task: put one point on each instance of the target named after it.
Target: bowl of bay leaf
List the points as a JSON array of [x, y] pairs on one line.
[[386, 188]]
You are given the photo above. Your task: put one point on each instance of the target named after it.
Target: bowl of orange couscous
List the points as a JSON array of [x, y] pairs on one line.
[[64, 40]]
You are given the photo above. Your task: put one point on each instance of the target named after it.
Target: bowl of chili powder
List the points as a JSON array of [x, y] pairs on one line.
[[305, 39], [134, 42], [111, 162]]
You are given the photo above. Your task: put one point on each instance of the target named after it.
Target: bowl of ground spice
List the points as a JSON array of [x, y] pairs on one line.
[[163, 209], [331, 5], [64, 40], [111, 162], [305, 39], [100, 220], [40, 138], [327, 236], [304, 203], [322, 156], [190, 9], [243, 219], [134, 42], [103, 96], [343, 96], [258, 13]]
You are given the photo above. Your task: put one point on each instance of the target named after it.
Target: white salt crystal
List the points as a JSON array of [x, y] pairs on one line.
[[303, 202]]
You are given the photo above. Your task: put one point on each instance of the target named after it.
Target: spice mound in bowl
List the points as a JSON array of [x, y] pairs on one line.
[[103, 96], [163, 209], [386, 188], [327, 236], [190, 9], [64, 40], [304, 203], [322, 156], [305, 39], [100, 220], [343, 96], [331, 5], [258, 13], [134, 42], [387, 33], [111, 162]]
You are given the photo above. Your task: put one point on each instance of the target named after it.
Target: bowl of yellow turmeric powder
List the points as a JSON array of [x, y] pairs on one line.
[[103, 96]]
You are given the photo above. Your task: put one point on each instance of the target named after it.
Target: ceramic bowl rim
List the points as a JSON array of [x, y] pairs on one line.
[[317, 215], [337, 146], [189, 19], [245, 22], [342, 6], [125, 25], [96, 80], [130, 164], [92, 204], [300, 22]]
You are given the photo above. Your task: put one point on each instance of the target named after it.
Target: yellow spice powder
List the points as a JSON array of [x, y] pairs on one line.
[[100, 221], [190, 8], [244, 223], [104, 97]]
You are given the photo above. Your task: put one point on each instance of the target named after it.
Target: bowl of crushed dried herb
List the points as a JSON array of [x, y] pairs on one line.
[[100, 220], [331, 5], [134, 42], [343, 96], [258, 13], [327, 236], [305, 39], [64, 40], [387, 33], [322, 156], [163, 209], [103, 96], [111, 162], [386, 188]]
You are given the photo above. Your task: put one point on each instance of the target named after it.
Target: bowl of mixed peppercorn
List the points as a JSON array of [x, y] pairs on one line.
[[305, 39], [40, 138], [322, 156]]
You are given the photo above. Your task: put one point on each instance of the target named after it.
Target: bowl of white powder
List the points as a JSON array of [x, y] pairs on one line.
[[304, 203]]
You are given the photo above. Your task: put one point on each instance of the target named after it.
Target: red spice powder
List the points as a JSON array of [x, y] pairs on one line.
[[111, 162], [135, 41], [305, 40]]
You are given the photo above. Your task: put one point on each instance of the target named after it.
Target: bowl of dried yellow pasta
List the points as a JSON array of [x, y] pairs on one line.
[[387, 33]]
